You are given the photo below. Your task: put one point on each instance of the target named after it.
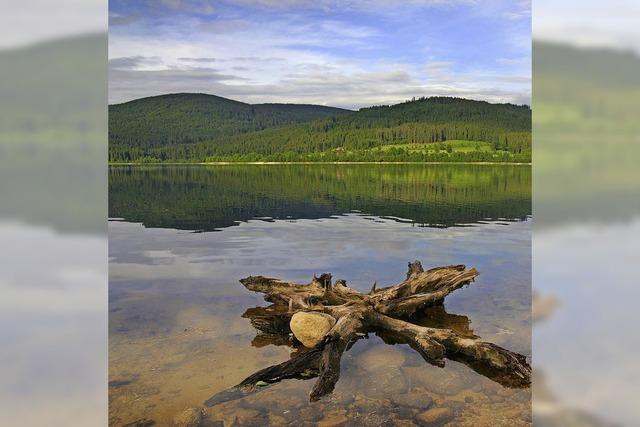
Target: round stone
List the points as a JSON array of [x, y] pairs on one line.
[[434, 417], [310, 328]]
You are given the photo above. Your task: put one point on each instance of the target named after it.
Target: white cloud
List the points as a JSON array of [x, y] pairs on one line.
[[30, 21], [198, 59], [137, 62], [335, 88], [116, 19], [293, 59], [589, 23], [521, 60], [522, 10], [361, 5], [219, 27], [197, 6]]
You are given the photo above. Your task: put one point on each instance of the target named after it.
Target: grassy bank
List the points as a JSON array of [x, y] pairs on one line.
[[453, 151]]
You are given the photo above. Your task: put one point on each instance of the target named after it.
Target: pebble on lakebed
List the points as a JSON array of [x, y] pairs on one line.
[[191, 417], [434, 417]]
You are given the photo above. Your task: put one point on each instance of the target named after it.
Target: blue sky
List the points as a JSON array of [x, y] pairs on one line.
[[342, 53]]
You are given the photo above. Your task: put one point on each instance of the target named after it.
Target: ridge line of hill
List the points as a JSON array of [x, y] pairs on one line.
[[210, 95]]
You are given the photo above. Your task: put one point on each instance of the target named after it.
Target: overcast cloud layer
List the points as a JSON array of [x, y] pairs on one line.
[[341, 53], [24, 22], [589, 23]]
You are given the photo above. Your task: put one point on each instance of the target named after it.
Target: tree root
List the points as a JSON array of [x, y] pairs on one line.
[[388, 312]]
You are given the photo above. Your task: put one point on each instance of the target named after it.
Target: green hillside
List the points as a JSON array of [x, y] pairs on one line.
[[186, 127], [184, 118], [53, 134], [586, 126], [49, 93]]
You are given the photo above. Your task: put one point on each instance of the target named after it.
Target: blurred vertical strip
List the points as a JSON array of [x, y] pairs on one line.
[[586, 204], [53, 207]]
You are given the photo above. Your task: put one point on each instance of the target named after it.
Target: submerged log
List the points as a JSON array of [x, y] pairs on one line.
[[390, 312]]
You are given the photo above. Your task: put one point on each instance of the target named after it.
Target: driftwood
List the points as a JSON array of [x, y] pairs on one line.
[[393, 313]]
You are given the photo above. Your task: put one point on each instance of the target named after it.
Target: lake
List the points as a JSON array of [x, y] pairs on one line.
[[180, 238]]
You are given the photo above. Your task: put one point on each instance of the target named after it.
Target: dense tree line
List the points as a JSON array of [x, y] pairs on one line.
[[357, 136], [188, 118]]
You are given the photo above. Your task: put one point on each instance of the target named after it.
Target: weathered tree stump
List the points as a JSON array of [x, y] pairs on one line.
[[390, 312]]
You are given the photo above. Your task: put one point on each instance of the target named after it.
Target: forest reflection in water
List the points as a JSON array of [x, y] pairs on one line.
[[208, 198], [177, 335]]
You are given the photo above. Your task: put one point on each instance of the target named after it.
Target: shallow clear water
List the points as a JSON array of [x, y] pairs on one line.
[[177, 335]]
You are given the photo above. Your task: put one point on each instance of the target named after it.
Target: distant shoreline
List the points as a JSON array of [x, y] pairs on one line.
[[312, 163]]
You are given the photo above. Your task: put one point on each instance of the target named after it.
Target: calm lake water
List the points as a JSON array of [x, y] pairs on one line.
[[182, 236]]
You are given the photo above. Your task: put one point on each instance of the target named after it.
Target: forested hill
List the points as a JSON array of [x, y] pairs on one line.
[[426, 129], [192, 117]]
